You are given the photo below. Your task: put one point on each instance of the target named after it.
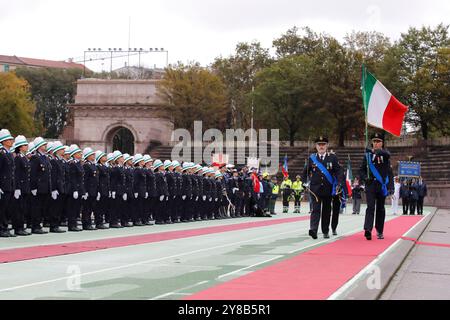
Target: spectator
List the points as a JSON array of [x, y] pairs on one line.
[[357, 189], [404, 193], [422, 191], [396, 195]]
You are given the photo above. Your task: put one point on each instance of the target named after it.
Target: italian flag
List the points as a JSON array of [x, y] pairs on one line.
[[383, 110], [349, 177]]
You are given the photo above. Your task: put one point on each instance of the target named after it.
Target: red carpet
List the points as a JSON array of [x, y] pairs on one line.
[[313, 275], [36, 252]]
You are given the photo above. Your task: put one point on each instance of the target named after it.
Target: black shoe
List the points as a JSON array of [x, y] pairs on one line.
[[368, 235], [169, 222], [334, 233], [38, 231], [46, 225], [63, 224], [89, 228], [116, 226], [313, 234], [5, 234], [75, 229], [160, 222], [57, 230], [326, 236], [101, 227], [21, 233], [139, 224], [380, 236]]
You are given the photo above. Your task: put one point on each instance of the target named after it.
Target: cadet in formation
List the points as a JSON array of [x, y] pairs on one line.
[[50, 185]]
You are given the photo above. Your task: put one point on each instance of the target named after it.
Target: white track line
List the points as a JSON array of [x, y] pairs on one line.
[[145, 262]]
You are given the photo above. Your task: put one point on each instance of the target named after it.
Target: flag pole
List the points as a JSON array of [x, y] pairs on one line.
[[364, 74]]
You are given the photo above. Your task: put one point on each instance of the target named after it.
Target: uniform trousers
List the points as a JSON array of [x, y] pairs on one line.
[[39, 209], [321, 210], [375, 210], [420, 205], [73, 211], [5, 206], [19, 208], [336, 210]]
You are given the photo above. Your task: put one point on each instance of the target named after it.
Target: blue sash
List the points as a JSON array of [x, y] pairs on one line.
[[377, 175], [326, 173]]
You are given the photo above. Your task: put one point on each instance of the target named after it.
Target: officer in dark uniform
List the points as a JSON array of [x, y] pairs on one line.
[[162, 192], [7, 184], [76, 188], [139, 191], [186, 197], [150, 181], [20, 201], [404, 194], [376, 173], [198, 176], [195, 192], [234, 192], [422, 192], [58, 175], [128, 195], [178, 177], [103, 198], [91, 180], [65, 160], [323, 171], [117, 190], [40, 184], [171, 187]]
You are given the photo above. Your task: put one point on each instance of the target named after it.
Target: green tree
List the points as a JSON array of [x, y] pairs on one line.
[[52, 90], [16, 106], [238, 74], [194, 93], [417, 69], [292, 43], [286, 98]]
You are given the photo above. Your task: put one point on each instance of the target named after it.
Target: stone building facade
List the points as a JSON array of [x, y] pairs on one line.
[[106, 109]]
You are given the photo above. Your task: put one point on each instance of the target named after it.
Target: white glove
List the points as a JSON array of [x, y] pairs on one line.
[[125, 197], [204, 198], [196, 199], [109, 194], [161, 198], [75, 195], [17, 193], [174, 197], [1, 192], [183, 197], [113, 194], [34, 192], [210, 199], [216, 199], [55, 194], [136, 195], [235, 189], [85, 196], [146, 195], [98, 196]]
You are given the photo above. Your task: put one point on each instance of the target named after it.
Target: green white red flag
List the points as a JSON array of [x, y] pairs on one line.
[[383, 110]]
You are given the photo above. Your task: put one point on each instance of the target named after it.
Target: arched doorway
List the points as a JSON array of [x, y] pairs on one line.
[[122, 139]]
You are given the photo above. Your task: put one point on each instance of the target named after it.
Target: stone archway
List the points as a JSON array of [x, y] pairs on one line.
[[103, 107], [120, 138]]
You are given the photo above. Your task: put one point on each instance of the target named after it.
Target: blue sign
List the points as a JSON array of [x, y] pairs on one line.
[[408, 169]]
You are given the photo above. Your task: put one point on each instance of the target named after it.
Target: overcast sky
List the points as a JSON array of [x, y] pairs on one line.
[[192, 30]]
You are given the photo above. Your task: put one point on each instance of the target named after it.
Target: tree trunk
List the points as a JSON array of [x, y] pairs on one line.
[[292, 137], [424, 127], [341, 138]]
